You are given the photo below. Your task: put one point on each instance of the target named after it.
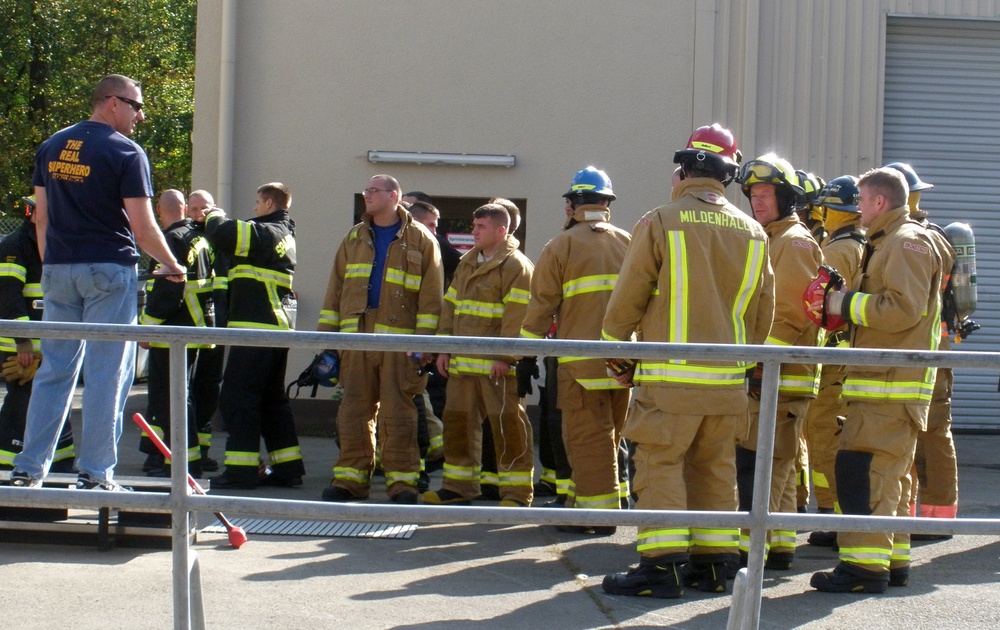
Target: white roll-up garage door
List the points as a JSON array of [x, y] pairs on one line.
[[942, 115]]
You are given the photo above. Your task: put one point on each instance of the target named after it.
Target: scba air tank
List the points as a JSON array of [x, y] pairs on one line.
[[963, 275]]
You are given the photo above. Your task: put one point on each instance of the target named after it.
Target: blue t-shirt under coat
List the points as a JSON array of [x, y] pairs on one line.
[[384, 236]]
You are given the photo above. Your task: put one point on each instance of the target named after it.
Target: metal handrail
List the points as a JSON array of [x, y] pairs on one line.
[[745, 609]]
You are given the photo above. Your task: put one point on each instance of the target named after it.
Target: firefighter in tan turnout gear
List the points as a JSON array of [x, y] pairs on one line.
[[896, 304], [386, 279], [572, 284], [843, 249], [935, 484], [769, 182], [487, 298], [696, 271]]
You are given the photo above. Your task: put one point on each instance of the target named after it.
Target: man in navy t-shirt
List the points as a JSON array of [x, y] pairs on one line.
[[92, 191]]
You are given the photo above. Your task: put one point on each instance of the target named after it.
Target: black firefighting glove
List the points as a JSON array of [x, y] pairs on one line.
[[527, 369]]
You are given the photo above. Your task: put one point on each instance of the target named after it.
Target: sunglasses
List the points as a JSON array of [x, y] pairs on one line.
[[136, 105]]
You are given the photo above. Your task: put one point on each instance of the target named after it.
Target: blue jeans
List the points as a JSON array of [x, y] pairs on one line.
[[93, 293]]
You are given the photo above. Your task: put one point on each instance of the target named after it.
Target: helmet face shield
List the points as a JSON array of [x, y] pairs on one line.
[[775, 171]]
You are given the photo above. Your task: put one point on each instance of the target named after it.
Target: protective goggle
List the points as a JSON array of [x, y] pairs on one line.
[[759, 172]]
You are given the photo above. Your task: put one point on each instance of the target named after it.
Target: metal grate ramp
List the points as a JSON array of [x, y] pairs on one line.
[[319, 529]]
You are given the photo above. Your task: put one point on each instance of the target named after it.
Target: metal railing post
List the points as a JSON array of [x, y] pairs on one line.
[[180, 516], [746, 610]]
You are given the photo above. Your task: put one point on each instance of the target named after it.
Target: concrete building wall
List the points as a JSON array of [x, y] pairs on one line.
[[560, 84]]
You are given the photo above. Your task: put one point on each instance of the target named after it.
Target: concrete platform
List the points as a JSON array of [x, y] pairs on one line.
[[459, 575]]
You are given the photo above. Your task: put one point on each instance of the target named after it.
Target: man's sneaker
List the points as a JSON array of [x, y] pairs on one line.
[[86, 482], [21, 479], [710, 577], [444, 497], [899, 576], [844, 580], [649, 579]]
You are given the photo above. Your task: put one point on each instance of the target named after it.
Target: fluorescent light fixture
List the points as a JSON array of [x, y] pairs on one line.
[[444, 159]]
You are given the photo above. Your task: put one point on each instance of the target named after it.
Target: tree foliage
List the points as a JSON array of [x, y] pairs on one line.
[[53, 52]]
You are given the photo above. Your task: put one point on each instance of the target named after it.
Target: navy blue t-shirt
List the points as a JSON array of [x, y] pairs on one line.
[[87, 170], [383, 238]]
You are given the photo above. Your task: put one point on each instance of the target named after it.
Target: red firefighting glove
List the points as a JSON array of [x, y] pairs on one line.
[[827, 280]]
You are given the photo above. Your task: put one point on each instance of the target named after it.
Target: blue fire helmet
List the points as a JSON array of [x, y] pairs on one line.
[[841, 193], [912, 180], [591, 180]]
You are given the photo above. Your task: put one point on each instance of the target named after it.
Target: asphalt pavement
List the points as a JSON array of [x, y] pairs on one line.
[[457, 575]]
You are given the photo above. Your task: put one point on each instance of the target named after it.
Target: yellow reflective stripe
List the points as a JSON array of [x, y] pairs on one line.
[[529, 335], [796, 384], [408, 281], [284, 455], [404, 477], [599, 501], [220, 283], [451, 295], [516, 478], [428, 320], [900, 551], [350, 324], [751, 277], [606, 337], [470, 365], [548, 476], [819, 479], [489, 478], [242, 458], [260, 274], [331, 318], [7, 457], [66, 452], [236, 324], [194, 306], [670, 539], [32, 290], [708, 146], [342, 473], [719, 538], [563, 485], [18, 272], [655, 372], [562, 360], [243, 233], [383, 329], [599, 383], [678, 287], [436, 441], [865, 555], [358, 270], [460, 473], [857, 307], [204, 440], [889, 390], [146, 319], [489, 310], [783, 539], [589, 284], [774, 341], [517, 296]]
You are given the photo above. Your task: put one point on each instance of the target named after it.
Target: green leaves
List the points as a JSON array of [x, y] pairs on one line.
[[53, 52]]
